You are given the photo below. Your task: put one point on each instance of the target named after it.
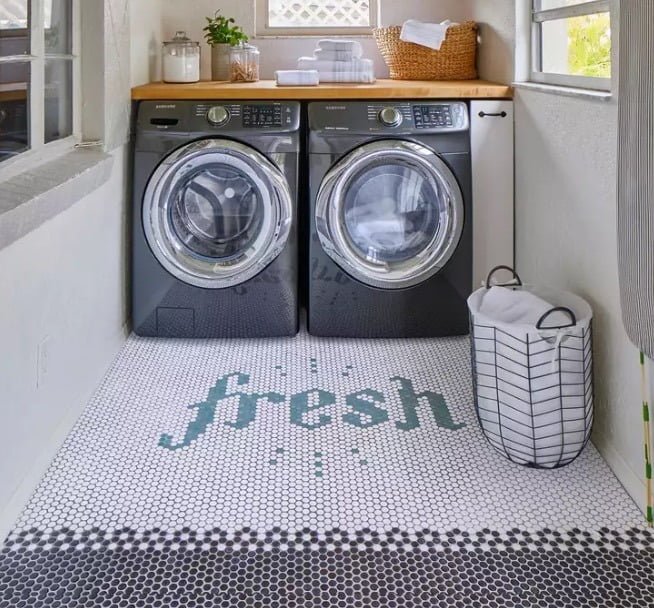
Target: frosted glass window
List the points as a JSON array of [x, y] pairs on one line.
[[319, 13]]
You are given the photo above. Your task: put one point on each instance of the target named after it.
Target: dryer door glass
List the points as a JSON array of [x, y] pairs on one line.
[[216, 213], [390, 213]]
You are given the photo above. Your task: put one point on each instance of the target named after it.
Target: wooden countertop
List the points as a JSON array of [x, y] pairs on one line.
[[382, 89]]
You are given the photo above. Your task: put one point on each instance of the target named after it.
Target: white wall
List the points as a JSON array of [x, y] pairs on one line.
[[496, 21], [566, 152], [566, 235], [146, 27], [64, 282], [281, 53], [67, 281]]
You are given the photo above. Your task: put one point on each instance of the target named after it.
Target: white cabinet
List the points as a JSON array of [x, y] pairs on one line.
[[491, 133]]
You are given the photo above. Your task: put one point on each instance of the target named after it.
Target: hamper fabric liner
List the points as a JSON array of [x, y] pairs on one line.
[[533, 387]]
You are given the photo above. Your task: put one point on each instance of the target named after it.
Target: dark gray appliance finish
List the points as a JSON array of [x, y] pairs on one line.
[[361, 154], [214, 219]]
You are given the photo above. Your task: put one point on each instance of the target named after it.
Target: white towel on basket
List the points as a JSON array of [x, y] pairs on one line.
[[431, 35]]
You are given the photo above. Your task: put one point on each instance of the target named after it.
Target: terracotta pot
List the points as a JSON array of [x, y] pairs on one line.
[[220, 65]]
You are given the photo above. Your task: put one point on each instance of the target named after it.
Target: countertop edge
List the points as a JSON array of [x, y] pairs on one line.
[[382, 89]]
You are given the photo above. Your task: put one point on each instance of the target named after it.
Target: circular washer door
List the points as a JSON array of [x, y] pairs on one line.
[[216, 212], [390, 213]]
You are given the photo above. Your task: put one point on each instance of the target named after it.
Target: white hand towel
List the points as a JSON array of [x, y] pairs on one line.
[[341, 45], [519, 306], [337, 55], [431, 35], [291, 78]]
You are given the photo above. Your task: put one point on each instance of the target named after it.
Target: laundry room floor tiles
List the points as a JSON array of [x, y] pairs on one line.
[[307, 472]]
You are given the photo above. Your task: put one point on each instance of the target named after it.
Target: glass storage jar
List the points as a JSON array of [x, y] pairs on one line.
[[244, 60], [181, 59]]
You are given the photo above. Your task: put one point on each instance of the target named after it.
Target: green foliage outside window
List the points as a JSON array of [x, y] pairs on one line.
[[589, 45]]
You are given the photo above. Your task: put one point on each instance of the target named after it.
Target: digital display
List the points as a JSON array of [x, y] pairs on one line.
[[262, 115], [427, 117]]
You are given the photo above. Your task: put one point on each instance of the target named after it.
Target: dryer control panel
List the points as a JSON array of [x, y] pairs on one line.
[[390, 117]]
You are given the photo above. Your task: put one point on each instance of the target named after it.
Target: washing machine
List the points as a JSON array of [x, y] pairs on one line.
[[390, 239], [214, 219]]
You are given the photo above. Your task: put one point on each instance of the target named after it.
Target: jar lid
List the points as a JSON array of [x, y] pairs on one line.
[[245, 46], [181, 39]]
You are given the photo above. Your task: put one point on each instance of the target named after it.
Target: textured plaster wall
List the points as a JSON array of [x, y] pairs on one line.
[[496, 21], [146, 27], [64, 286], [64, 307], [281, 53], [566, 156]]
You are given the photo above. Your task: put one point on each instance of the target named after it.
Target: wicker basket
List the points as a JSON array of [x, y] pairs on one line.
[[456, 59]]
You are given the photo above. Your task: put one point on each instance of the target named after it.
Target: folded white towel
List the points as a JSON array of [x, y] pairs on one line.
[[337, 55], [355, 65], [519, 306], [431, 35], [352, 77], [357, 70], [341, 45], [291, 78]]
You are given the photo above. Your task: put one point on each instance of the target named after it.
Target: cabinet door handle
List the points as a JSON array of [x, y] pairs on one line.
[[483, 114]]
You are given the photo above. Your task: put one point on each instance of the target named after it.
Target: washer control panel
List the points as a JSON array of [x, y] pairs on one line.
[[262, 115], [218, 115]]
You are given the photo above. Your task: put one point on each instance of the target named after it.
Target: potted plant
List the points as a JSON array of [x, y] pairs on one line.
[[221, 33]]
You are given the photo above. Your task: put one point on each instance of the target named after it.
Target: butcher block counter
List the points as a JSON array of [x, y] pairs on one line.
[[382, 89]]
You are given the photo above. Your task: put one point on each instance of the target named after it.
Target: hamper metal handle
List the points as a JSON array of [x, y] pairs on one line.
[[564, 309], [516, 277]]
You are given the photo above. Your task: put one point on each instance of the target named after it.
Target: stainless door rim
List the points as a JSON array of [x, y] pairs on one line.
[[214, 273], [332, 232]]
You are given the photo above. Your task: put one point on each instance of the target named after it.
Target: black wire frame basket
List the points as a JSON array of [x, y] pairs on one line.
[[534, 391]]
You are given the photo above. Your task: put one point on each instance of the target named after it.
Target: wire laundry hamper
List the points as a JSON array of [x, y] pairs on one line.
[[533, 385]]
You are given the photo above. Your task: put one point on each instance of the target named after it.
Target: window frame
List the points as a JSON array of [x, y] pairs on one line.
[[39, 151], [263, 28], [537, 18]]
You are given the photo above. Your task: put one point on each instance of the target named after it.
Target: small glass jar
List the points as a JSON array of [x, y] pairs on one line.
[[244, 63], [181, 59]]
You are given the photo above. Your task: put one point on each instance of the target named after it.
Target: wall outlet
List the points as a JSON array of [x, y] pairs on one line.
[[43, 356]]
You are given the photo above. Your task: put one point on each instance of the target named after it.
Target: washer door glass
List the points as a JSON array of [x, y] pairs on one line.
[[216, 212], [390, 213]]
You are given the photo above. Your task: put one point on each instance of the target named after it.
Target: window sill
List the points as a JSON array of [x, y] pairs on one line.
[[35, 196], [565, 91]]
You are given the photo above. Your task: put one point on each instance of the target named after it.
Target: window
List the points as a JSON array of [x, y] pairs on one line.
[[38, 73], [288, 17], [571, 43]]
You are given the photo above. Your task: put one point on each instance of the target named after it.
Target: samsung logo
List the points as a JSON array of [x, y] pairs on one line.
[[169, 106], [335, 107]]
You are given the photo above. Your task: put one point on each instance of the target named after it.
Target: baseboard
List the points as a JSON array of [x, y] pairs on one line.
[[632, 483], [11, 511]]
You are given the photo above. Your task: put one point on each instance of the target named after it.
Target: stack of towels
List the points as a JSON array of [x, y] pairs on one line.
[[332, 61]]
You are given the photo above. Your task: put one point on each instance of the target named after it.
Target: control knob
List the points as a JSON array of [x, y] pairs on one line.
[[218, 115], [390, 117]]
